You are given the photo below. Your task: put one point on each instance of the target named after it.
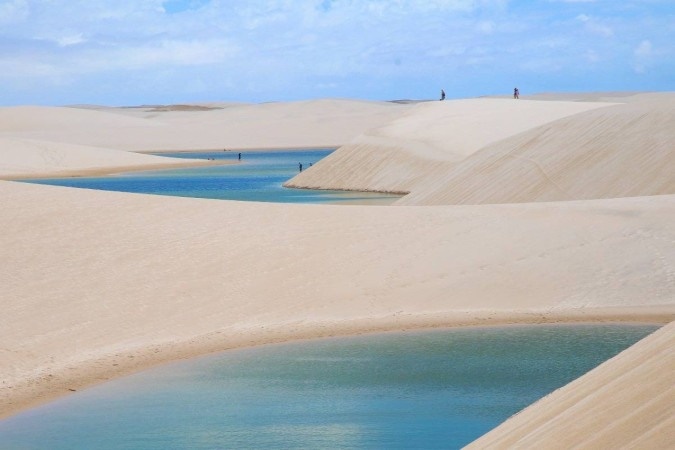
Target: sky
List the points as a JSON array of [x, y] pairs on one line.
[[134, 52]]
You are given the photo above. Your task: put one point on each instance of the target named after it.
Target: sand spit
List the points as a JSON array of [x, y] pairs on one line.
[[627, 402], [99, 284], [24, 158]]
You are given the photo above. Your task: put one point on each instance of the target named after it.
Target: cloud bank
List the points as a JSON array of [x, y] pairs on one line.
[[161, 51]]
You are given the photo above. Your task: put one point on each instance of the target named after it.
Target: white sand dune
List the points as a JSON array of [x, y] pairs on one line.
[[621, 151], [503, 151], [33, 158], [98, 284], [316, 123], [627, 402], [428, 141]]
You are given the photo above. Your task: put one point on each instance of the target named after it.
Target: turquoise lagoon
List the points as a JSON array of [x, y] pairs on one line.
[[434, 389], [257, 177]]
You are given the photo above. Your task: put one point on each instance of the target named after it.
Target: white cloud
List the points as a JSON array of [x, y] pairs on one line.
[[594, 26], [592, 56], [13, 11], [287, 48], [72, 39], [643, 54]]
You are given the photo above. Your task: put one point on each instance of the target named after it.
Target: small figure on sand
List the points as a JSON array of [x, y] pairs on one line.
[[239, 156], [300, 167], [442, 95], [516, 93]]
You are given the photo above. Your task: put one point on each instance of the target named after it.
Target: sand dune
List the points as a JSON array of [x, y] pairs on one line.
[[99, 284], [503, 151], [622, 151], [317, 123], [32, 158], [428, 141], [627, 402]]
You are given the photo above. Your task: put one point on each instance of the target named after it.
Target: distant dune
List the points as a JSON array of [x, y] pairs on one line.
[[315, 123]]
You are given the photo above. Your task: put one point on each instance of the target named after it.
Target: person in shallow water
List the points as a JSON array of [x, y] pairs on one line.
[[299, 167], [239, 156]]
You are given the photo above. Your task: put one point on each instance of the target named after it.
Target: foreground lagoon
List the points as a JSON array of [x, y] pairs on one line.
[[432, 389]]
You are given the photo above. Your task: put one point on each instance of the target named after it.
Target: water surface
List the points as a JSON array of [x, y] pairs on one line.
[[258, 176], [438, 389]]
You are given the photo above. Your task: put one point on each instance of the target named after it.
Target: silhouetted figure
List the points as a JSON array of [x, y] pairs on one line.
[[239, 156], [300, 167], [516, 93], [442, 95]]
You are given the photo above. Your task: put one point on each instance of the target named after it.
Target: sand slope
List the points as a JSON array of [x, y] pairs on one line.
[[620, 151], [627, 402], [428, 141], [504, 151]]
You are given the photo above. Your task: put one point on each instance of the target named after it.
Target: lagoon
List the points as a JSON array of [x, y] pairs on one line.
[[426, 389], [258, 176]]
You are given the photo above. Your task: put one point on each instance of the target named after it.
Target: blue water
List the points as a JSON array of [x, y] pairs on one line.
[[434, 389], [257, 177]]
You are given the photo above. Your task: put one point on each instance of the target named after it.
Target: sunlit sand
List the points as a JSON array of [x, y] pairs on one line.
[[556, 209]]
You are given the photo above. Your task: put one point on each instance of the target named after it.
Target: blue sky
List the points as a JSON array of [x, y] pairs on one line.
[[130, 52]]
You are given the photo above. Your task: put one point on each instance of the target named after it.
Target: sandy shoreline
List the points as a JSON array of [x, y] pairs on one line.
[[516, 224], [244, 149], [36, 392], [94, 172]]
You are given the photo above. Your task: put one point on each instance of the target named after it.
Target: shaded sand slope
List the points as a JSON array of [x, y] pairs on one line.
[[96, 283], [271, 125], [627, 402], [28, 157], [429, 140], [620, 151]]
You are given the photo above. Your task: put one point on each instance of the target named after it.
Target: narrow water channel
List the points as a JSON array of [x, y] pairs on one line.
[[258, 176]]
